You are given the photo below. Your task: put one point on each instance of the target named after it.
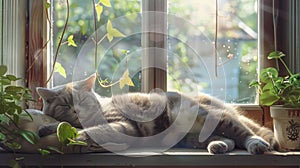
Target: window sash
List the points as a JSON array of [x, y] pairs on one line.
[[157, 78]]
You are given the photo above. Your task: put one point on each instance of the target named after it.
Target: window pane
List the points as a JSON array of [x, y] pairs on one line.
[[191, 55], [113, 57], [191, 61]]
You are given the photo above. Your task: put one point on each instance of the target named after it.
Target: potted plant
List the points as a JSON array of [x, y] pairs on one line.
[[282, 94]]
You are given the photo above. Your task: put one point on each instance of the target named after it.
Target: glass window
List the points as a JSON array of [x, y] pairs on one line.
[[192, 40], [123, 16], [193, 64]]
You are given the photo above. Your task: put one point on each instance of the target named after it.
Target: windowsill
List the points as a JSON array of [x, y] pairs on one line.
[[173, 157]]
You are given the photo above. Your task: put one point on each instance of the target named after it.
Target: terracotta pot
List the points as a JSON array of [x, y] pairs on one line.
[[286, 122]]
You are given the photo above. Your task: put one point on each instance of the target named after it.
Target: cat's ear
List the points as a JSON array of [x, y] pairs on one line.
[[45, 93], [88, 83]]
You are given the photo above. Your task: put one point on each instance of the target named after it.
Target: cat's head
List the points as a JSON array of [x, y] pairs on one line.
[[59, 102]]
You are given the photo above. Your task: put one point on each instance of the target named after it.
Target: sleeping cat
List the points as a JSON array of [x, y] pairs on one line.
[[162, 119]]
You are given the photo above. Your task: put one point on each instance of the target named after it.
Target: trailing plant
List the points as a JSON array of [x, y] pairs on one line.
[[12, 100], [276, 89]]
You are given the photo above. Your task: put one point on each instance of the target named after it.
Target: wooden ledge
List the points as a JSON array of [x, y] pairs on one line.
[[172, 157]]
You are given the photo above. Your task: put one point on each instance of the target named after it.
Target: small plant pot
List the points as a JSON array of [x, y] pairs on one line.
[[286, 122]]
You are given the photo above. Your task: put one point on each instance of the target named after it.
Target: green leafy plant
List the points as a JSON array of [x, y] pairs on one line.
[[276, 89], [12, 99], [66, 135]]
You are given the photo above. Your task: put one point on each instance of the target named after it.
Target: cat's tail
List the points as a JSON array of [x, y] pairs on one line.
[[264, 132]]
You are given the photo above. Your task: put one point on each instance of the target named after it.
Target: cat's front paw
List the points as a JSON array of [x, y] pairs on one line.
[[45, 130], [82, 136], [274, 144], [257, 145], [217, 147]]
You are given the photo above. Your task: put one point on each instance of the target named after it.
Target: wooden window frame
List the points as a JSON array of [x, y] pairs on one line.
[[36, 68], [37, 37], [153, 77], [154, 44]]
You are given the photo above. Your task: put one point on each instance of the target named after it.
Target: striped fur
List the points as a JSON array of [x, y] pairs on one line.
[[144, 115]]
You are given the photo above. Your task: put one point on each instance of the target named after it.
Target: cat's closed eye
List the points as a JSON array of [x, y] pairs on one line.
[[64, 108]]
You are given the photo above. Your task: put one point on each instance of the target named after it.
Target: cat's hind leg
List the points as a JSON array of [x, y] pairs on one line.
[[230, 126], [220, 145], [256, 145], [214, 144], [263, 132], [47, 129]]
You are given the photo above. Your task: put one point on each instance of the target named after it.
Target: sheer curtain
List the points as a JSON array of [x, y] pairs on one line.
[[13, 22]]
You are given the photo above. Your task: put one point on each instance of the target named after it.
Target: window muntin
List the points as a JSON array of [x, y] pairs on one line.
[[190, 57]]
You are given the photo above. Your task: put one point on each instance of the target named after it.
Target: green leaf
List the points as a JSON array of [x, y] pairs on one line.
[[16, 118], [47, 5], [31, 137], [290, 90], [73, 142], [28, 114], [14, 164], [44, 152], [266, 75], [19, 158], [5, 81], [14, 145], [55, 149], [4, 119], [268, 87], [126, 80], [106, 3], [125, 52], [276, 55], [268, 98], [71, 42], [2, 137], [14, 89], [12, 78], [60, 69], [99, 10], [295, 79], [83, 26], [112, 32], [65, 132], [3, 70], [254, 84]]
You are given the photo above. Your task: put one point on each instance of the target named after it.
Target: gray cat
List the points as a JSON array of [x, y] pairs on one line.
[[154, 119]]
